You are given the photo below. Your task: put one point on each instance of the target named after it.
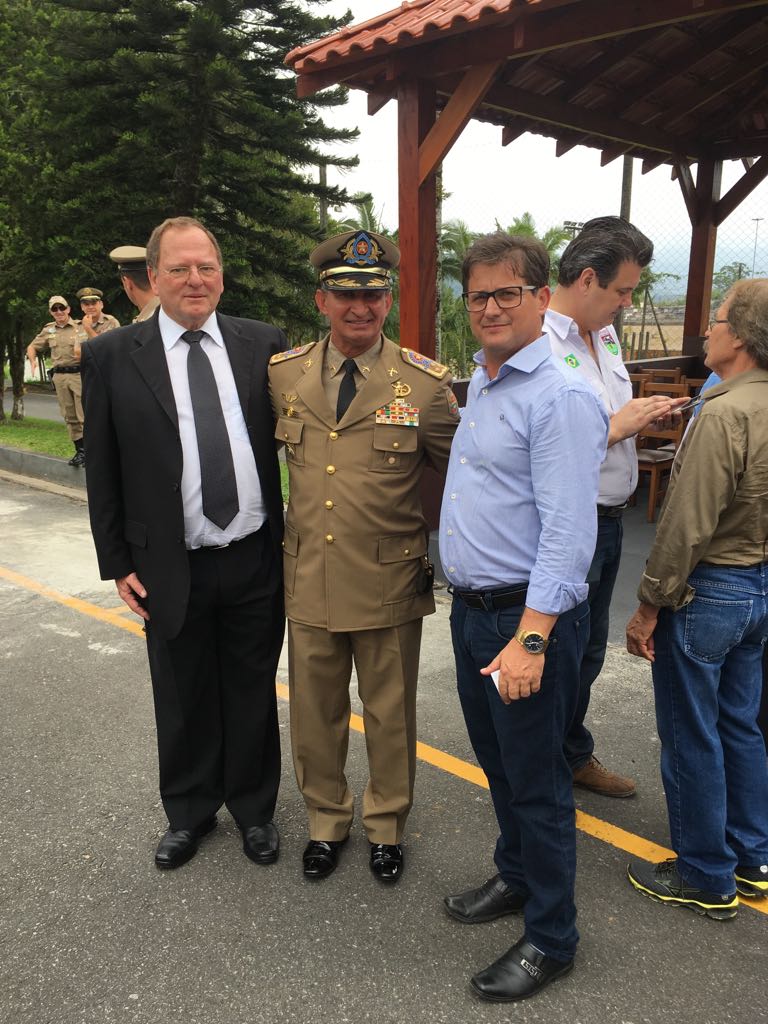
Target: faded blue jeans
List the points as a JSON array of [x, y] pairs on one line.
[[707, 679]]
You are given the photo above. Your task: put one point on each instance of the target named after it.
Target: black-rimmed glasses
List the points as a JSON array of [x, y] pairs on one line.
[[713, 322], [505, 298]]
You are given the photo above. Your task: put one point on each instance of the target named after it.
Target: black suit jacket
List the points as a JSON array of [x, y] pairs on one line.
[[135, 457]]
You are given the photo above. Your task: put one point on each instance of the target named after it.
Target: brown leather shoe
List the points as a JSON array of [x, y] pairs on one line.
[[598, 779]]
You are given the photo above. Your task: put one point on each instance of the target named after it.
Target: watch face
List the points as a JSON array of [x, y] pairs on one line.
[[535, 643]]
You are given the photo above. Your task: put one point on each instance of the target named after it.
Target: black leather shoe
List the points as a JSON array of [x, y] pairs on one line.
[[387, 861], [522, 972], [492, 900], [261, 843], [320, 858], [177, 847]]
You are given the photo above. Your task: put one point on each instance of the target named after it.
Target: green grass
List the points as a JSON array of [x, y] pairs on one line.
[[34, 435]]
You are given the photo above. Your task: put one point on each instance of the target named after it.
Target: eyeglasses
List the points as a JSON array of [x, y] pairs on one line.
[[713, 322], [207, 272], [58, 309], [505, 298]]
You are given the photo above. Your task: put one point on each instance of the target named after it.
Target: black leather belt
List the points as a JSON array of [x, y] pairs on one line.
[[612, 511], [66, 369], [493, 600]]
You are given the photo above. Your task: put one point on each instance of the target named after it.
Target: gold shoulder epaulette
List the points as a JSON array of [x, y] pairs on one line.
[[280, 357], [423, 363]]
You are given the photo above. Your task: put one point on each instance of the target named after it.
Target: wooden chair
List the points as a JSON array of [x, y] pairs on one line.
[[661, 376], [657, 462], [694, 384], [638, 381]]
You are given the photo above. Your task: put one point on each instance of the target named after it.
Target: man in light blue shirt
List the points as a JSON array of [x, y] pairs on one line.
[[517, 535]]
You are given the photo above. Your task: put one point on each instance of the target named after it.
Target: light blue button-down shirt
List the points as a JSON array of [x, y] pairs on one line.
[[520, 500]]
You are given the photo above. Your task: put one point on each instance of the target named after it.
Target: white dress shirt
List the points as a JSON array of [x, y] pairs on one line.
[[610, 380], [199, 531]]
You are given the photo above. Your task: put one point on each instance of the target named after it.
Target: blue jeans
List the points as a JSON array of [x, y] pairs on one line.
[[520, 748], [579, 744], [707, 679]]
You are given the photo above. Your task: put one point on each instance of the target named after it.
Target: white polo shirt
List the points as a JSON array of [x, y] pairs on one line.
[[610, 380]]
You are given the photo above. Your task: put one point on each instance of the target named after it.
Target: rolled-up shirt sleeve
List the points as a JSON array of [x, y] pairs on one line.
[[568, 442]]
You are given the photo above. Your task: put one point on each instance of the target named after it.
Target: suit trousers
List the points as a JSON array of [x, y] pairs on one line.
[[387, 665], [214, 688], [519, 746]]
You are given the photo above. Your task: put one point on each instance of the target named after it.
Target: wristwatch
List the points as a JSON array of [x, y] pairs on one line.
[[532, 641]]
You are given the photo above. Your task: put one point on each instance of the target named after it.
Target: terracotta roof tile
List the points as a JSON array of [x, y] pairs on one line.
[[409, 23]]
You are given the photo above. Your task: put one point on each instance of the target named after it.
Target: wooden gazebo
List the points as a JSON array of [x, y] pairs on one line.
[[681, 82]]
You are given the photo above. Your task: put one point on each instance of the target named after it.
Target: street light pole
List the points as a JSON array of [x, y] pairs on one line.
[[754, 252]]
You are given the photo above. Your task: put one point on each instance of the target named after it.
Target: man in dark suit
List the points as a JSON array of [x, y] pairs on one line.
[[187, 517]]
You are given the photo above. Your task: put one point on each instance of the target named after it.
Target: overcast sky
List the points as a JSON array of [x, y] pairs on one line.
[[488, 182]]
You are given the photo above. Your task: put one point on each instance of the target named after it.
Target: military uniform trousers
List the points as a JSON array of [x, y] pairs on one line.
[[69, 391], [387, 665]]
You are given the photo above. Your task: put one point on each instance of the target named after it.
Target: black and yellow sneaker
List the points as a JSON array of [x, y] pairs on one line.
[[752, 881], [662, 882]]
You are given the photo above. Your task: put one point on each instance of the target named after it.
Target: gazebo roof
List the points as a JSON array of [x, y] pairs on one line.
[[668, 81]]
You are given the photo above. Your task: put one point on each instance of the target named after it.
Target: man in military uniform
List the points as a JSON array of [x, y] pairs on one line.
[[62, 338], [95, 321], [131, 263], [359, 417]]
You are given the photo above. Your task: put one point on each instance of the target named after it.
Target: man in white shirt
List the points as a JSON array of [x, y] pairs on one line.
[[187, 518], [598, 272]]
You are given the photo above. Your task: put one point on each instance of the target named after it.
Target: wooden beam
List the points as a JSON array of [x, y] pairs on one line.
[[590, 122], [611, 153], [452, 121], [688, 188], [651, 163], [564, 146], [416, 112], [700, 95], [702, 259], [378, 99], [510, 132], [738, 192]]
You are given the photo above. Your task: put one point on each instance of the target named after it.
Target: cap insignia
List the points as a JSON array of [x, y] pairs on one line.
[[361, 251]]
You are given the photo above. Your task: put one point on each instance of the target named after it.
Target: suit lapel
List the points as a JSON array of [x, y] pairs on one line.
[[149, 359], [241, 355], [310, 388]]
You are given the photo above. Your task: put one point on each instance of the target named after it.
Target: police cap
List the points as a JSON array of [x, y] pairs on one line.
[[355, 259]]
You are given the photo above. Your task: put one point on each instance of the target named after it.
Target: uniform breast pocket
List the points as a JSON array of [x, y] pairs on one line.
[[395, 448], [402, 560], [291, 432]]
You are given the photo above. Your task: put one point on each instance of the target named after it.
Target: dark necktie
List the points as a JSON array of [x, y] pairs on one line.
[[217, 470], [347, 390]]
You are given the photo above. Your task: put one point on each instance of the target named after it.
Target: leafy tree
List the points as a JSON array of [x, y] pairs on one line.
[[153, 108], [554, 239], [727, 276]]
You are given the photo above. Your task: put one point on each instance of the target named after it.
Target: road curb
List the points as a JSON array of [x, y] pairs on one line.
[[30, 467]]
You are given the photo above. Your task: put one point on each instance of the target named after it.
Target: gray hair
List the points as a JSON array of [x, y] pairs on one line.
[[603, 244], [526, 256], [178, 223], [748, 316]]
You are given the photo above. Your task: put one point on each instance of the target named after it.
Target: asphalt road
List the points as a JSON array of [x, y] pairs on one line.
[[92, 933]]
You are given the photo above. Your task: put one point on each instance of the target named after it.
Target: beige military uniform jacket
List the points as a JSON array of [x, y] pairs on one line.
[[355, 547], [106, 322], [148, 310], [60, 341]]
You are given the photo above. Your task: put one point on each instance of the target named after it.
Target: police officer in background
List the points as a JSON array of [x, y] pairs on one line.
[[360, 417], [95, 321], [62, 338], [131, 263]]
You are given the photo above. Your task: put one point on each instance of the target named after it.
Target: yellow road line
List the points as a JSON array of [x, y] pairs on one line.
[[595, 827]]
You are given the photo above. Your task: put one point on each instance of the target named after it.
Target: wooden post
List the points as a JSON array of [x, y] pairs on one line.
[[703, 212], [418, 219]]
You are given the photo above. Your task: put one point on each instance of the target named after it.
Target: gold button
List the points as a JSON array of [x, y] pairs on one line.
[[396, 444], [283, 543], [330, 470], [329, 538], [333, 435], [329, 504], [285, 436], [406, 551], [391, 460]]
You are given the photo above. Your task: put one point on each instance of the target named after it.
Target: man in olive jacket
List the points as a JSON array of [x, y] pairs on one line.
[[359, 418]]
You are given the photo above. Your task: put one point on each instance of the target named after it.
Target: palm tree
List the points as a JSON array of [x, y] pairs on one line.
[[553, 239]]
